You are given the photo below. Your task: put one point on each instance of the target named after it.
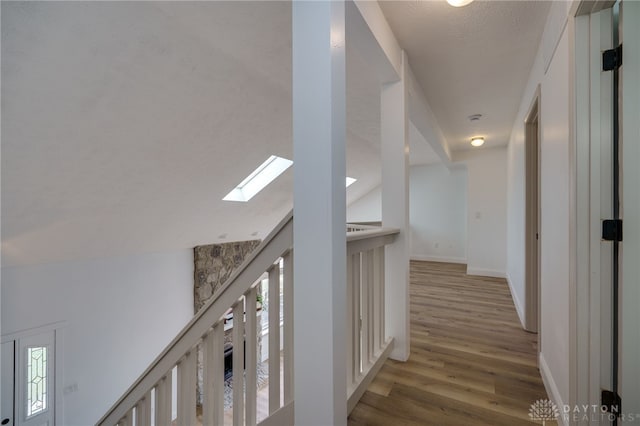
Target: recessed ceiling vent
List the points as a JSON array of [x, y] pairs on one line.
[[475, 117]]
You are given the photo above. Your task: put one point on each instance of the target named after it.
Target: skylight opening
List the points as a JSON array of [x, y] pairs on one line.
[[266, 173]]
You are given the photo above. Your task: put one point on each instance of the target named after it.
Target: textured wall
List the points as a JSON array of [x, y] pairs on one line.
[[214, 263]]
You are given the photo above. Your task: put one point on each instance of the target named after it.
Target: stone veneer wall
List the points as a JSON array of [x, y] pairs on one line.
[[213, 265]]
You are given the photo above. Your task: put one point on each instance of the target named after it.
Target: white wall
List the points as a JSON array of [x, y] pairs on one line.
[[486, 211], [516, 192], [554, 231], [367, 208], [120, 314], [551, 72], [438, 213]]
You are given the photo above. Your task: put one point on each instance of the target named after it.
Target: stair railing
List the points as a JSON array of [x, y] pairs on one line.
[[151, 394], [149, 400], [367, 345]]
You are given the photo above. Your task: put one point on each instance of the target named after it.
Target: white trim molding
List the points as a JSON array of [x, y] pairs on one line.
[[441, 259], [551, 387], [516, 301], [15, 335], [481, 272]]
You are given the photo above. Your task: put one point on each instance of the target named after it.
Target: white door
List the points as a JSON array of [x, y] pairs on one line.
[[629, 115], [6, 415], [28, 396], [596, 33], [609, 352]]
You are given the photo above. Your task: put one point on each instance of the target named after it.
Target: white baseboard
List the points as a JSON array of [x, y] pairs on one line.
[[443, 259], [516, 301], [552, 388], [486, 272]]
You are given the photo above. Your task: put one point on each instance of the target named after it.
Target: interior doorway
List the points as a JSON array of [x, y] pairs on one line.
[[532, 216], [28, 379], [606, 314]]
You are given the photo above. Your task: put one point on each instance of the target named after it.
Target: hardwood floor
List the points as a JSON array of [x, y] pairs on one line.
[[471, 362]]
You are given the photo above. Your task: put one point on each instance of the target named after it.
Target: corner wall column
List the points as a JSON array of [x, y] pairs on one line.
[[394, 135], [319, 116]]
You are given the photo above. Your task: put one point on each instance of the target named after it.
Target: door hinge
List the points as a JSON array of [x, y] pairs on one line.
[[612, 402], [612, 229], [612, 59]]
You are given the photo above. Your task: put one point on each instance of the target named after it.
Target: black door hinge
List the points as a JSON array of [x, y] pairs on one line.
[[612, 59], [612, 402], [612, 230]]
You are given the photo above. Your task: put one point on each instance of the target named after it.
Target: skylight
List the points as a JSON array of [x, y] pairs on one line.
[[263, 176], [259, 178]]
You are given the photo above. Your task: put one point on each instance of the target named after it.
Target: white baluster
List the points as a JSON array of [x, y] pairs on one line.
[[143, 411], [127, 420], [364, 294], [370, 319], [288, 326], [350, 324], [238, 363], [213, 372], [274, 338], [163, 400], [378, 259], [355, 313], [187, 389], [381, 273], [251, 340]]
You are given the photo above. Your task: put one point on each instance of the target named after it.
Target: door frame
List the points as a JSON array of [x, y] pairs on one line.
[[629, 383], [591, 112], [532, 216], [58, 333]]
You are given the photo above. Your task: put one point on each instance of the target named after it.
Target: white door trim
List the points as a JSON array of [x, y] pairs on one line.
[[630, 209], [591, 112], [532, 216], [58, 329], [31, 331]]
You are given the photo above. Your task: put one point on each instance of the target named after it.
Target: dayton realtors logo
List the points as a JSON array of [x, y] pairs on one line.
[[598, 414], [544, 410]]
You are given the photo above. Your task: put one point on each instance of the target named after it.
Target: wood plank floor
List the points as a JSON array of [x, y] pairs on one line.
[[471, 362]]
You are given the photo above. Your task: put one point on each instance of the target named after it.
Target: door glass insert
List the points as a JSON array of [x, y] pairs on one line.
[[36, 380]]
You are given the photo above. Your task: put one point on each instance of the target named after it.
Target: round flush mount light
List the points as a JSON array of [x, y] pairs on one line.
[[477, 141], [459, 3]]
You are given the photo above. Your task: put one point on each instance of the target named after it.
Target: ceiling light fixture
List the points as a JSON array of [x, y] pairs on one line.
[[259, 178], [477, 141], [350, 180], [459, 3]]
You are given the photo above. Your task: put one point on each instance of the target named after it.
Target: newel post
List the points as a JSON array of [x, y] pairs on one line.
[[394, 135], [319, 212]]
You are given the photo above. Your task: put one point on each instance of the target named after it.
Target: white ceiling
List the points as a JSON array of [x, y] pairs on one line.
[[470, 60], [125, 123]]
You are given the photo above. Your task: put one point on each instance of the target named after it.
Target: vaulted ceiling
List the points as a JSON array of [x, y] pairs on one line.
[[125, 123]]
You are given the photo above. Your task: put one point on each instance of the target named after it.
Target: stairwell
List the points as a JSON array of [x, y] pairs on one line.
[[150, 399]]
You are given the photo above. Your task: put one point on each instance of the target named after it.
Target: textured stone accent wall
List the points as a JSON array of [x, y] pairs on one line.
[[214, 264]]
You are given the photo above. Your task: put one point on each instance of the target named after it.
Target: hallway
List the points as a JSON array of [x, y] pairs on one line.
[[471, 362]]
